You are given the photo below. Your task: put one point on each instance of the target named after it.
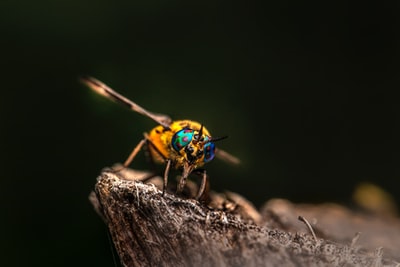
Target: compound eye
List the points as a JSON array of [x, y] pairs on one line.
[[182, 138], [209, 151]]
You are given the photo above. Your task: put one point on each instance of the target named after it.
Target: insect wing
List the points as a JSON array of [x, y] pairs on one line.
[[222, 154], [106, 91]]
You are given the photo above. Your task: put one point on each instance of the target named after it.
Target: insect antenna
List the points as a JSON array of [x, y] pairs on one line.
[[215, 139], [198, 137], [200, 133]]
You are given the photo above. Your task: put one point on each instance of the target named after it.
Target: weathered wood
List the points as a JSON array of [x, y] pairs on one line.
[[336, 222], [149, 229]]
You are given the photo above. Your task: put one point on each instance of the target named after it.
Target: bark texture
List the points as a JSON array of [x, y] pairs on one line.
[[149, 229]]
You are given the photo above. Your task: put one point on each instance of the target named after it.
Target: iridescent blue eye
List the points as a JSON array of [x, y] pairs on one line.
[[209, 151], [182, 138]]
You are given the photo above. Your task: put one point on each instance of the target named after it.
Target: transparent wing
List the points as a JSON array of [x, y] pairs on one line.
[[106, 91], [222, 154]]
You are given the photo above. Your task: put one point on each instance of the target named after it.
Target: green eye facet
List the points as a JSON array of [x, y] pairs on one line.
[[182, 138]]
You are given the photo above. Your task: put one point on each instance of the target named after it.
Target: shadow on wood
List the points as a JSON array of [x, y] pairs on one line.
[[149, 229]]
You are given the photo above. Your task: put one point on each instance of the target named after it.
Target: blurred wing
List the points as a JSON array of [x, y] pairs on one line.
[[222, 154], [106, 91]]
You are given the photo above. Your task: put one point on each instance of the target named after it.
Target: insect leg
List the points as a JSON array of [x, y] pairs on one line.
[[168, 161], [181, 184], [134, 152], [203, 184], [166, 172]]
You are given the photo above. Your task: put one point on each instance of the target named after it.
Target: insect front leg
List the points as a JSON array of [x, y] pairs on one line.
[[204, 186]]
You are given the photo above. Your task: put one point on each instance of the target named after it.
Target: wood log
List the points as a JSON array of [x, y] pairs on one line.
[[151, 229]]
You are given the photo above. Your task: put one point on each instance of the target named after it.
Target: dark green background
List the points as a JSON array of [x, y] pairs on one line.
[[306, 92]]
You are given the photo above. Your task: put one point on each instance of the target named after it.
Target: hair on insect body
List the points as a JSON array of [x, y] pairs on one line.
[[184, 145]]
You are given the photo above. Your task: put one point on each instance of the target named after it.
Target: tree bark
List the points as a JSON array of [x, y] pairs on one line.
[[149, 229]]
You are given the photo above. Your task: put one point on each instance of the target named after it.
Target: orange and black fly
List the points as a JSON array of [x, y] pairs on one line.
[[185, 145]]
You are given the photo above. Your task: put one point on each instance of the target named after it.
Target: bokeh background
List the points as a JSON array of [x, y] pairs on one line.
[[307, 94]]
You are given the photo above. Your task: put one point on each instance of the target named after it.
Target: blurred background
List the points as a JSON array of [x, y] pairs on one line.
[[307, 94]]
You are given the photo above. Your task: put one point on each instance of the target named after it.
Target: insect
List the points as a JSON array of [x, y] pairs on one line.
[[185, 145]]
